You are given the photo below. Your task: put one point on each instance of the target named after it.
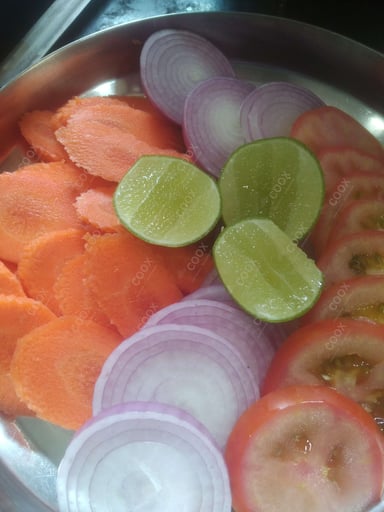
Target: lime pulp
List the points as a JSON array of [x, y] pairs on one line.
[[167, 201], [265, 271], [277, 178]]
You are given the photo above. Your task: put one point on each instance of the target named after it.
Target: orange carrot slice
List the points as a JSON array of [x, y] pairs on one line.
[[74, 296], [190, 265], [74, 104], [34, 200], [18, 316], [95, 207], [9, 283], [38, 130], [105, 150], [42, 260], [55, 367], [152, 129], [128, 279]]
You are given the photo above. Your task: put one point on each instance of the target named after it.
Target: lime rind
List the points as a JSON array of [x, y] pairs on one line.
[[167, 201], [277, 178], [265, 272]]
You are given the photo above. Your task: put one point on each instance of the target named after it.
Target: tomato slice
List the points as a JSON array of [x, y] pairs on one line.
[[359, 215], [354, 187], [353, 255], [305, 448], [344, 354], [360, 298], [328, 126], [338, 162]]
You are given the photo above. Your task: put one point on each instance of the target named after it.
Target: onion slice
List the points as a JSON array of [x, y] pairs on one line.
[[211, 122], [173, 62], [270, 109], [233, 324], [147, 457], [181, 365]]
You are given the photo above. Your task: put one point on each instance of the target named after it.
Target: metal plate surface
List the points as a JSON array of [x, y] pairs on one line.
[[263, 48]]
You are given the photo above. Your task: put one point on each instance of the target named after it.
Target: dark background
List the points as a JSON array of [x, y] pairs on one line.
[[359, 20]]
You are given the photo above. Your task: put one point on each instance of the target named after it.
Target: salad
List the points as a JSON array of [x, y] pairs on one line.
[[164, 337]]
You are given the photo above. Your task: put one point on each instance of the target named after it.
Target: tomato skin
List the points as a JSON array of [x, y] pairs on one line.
[[349, 299], [356, 186], [357, 216], [328, 126], [353, 255], [313, 349], [341, 161], [271, 407]]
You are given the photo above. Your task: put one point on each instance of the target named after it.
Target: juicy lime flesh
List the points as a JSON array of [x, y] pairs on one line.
[[265, 271], [277, 178], [167, 201]]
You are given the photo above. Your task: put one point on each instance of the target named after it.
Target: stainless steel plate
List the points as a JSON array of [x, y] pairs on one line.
[[262, 48]]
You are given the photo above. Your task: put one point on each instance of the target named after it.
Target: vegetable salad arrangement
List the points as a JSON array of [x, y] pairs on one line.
[[192, 283]]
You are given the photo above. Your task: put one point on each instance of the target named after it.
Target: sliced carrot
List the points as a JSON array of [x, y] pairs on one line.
[[74, 296], [95, 207], [76, 103], [34, 200], [190, 265], [152, 129], [104, 150], [55, 367], [10, 404], [9, 283], [18, 316], [38, 130], [128, 279], [42, 260]]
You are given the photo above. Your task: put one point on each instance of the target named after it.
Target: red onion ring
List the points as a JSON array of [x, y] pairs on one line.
[[172, 62], [231, 323], [211, 122], [181, 365], [270, 109], [146, 457]]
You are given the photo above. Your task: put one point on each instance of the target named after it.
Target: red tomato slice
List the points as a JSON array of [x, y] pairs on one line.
[[344, 354], [354, 187], [305, 448], [353, 255], [360, 298], [342, 161], [328, 126], [357, 216]]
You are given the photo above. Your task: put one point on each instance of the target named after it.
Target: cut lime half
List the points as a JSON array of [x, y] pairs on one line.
[[277, 178], [167, 201], [265, 271]]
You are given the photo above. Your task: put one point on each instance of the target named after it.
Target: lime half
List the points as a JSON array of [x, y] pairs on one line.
[[265, 271], [167, 201], [277, 178]]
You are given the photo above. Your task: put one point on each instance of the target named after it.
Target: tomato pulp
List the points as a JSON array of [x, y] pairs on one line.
[[305, 448]]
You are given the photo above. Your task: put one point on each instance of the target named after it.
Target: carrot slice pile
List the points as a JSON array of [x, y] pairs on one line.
[[73, 295], [64, 252], [95, 207], [42, 260], [107, 151], [38, 130], [18, 316], [55, 366], [9, 283], [128, 280], [145, 126], [35, 199]]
